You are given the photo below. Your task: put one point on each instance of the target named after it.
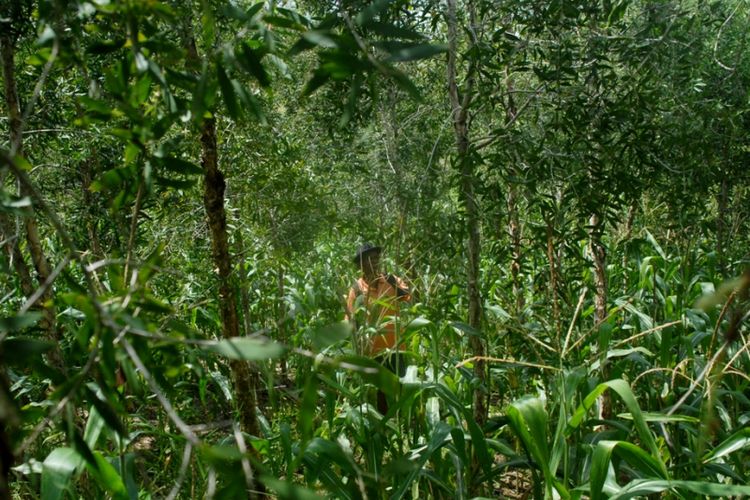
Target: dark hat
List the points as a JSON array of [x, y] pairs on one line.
[[364, 249]]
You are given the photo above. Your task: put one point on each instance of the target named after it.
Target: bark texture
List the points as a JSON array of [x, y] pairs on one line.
[[460, 113], [213, 201], [599, 257]]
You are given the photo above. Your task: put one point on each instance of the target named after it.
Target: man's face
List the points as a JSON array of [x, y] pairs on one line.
[[370, 262]]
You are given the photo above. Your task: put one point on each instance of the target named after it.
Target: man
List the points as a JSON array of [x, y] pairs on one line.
[[374, 302]]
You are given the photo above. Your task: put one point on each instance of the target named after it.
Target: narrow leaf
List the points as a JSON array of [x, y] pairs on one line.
[[245, 348], [57, 469]]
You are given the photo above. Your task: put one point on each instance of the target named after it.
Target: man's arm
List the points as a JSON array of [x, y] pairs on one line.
[[402, 289], [352, 297]]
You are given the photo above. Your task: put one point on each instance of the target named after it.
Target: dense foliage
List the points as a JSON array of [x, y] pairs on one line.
[[563, 184]]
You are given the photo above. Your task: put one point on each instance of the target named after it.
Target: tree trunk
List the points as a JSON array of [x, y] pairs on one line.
[[599, 257], [214, 187], [87, 177], [460, 113], [15, 257], [553, 278], [625, 239], [213, 200], [515, 233], [281, 320], [721, 225], [33, 240], [242, 282], [514, 224]]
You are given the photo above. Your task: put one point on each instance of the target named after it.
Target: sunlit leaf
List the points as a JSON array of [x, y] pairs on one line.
[[642, 487], [416, 52], [330, 334], [737, 441], [245, 348], [57, 470]]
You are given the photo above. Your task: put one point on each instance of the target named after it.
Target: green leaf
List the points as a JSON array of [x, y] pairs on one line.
[[14, 204], [245, 348], [283, 22], [373, 372], [617, 12], [626, 394], [321, 39], [19, 322], [57, 469], [94, 427], [140, 91], [218, 455], [307, 409], [249, 60], [106, 46], [96, 106], [405, 83], [632, 454], [465, 328], [227, 91], [392, 31], [330, 334], [529, 420], [619, 353], [25, 350], [287, 490], [372, 10], [642, 487], [180, 166], [319, 78], [737, 441], [109, 414], [108, 478], [662, 418], [416, 52], [180, 184], [417, 324], [249, 101], [438, 438]]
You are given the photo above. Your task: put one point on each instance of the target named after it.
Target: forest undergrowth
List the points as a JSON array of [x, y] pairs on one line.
[[563, 186]]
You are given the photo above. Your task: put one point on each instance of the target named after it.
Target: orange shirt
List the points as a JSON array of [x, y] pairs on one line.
[[380, 301]]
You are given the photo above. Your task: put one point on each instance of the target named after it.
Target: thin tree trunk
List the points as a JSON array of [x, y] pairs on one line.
[[214, 187], [9, 423], [515, 233], [133, 228], [460, 113], [625, 239], [514, 225], [88, 201], [33, 240], [15, 257], [213, 200], [281, 321], [599, 257], [242, 283], [553, 278], [721, 225]]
